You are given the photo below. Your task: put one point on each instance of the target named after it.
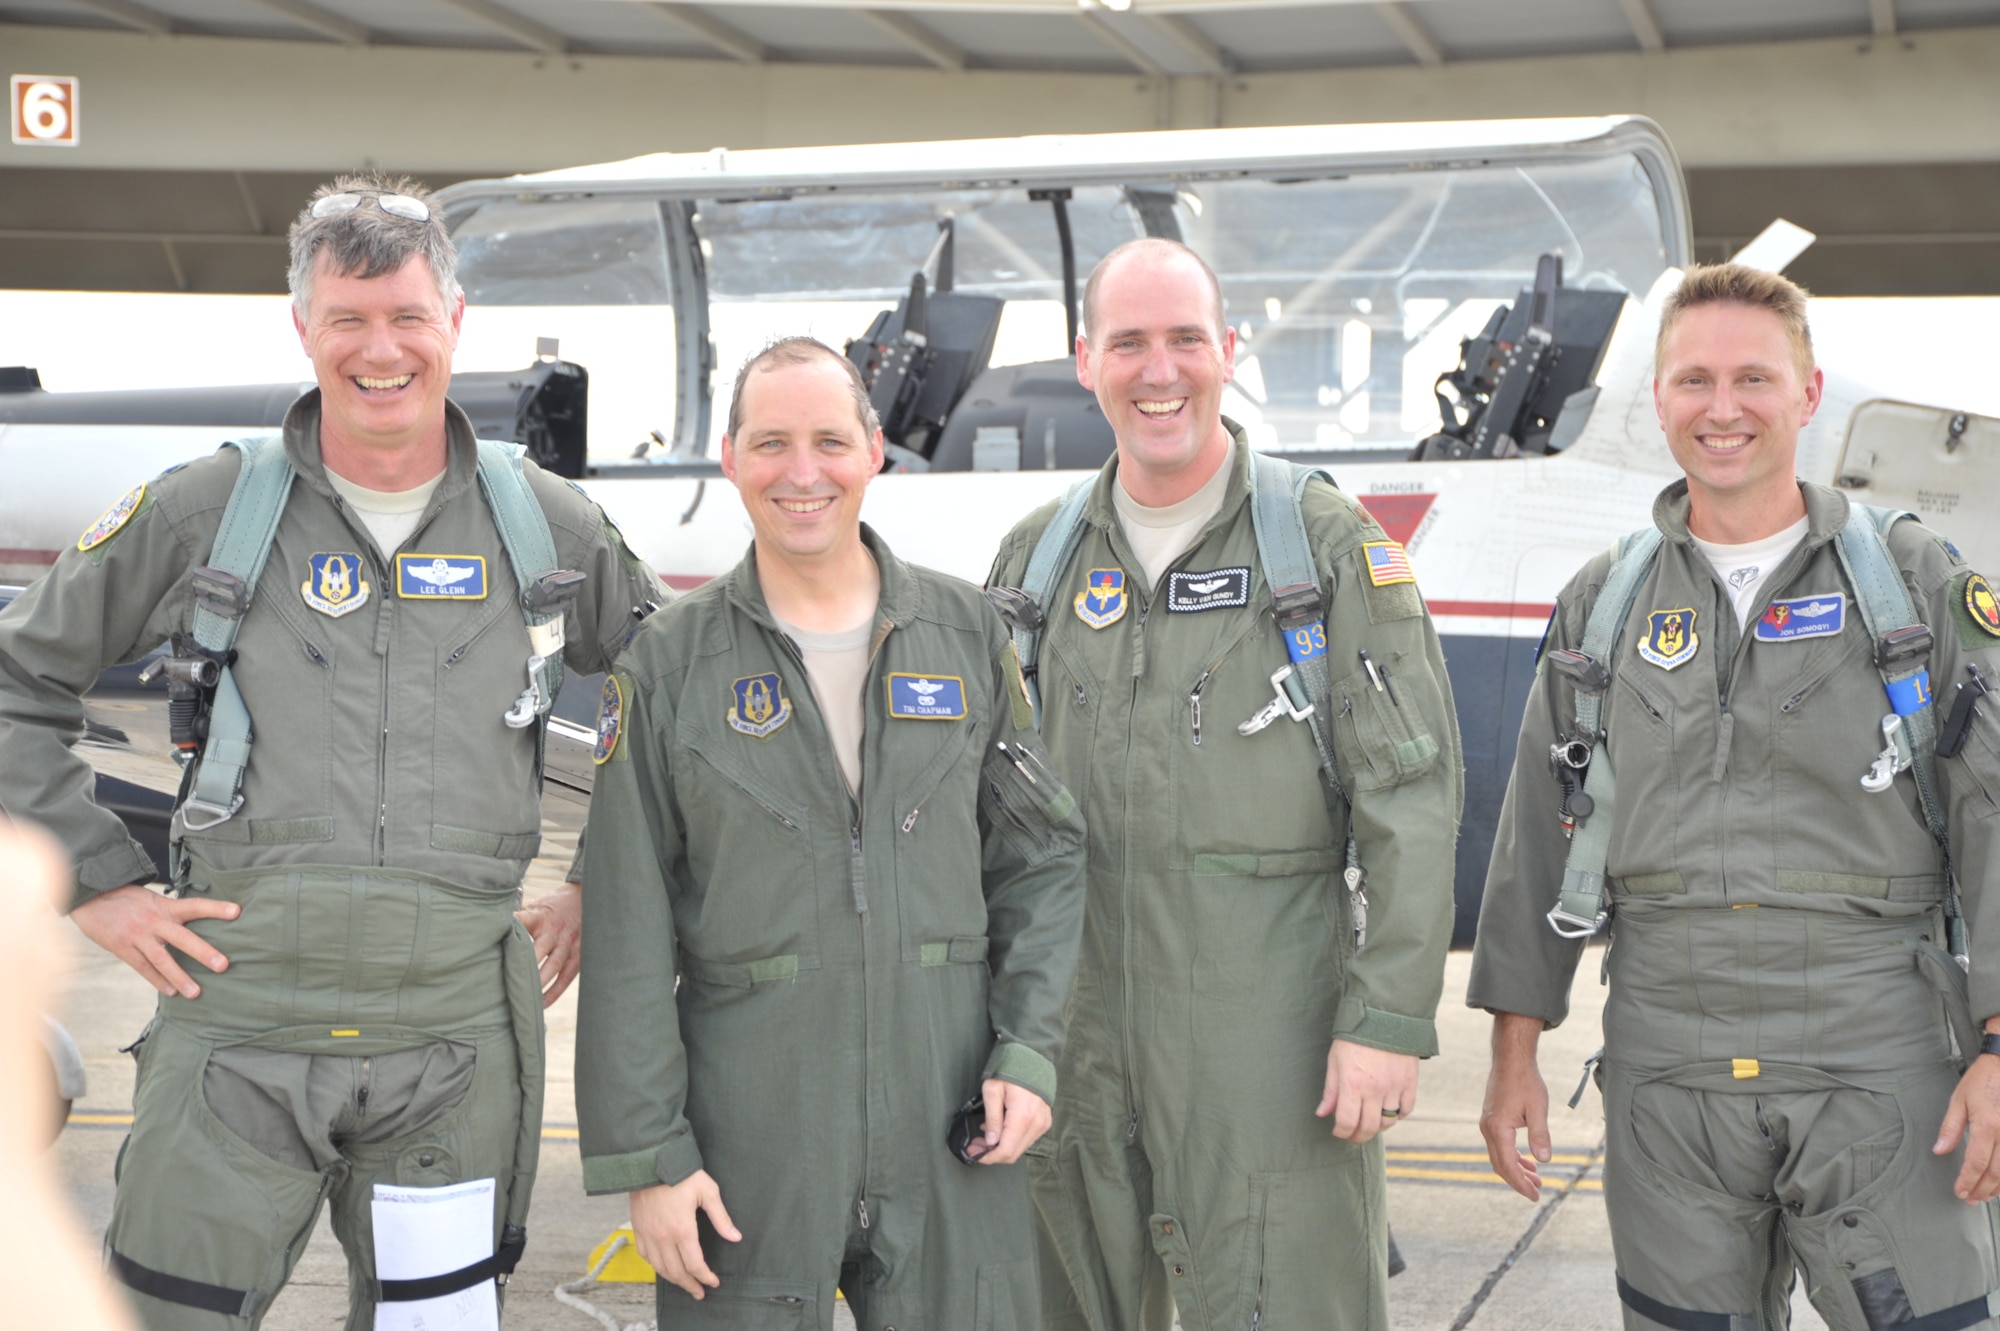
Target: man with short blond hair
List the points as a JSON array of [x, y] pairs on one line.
[[1791, 1061]]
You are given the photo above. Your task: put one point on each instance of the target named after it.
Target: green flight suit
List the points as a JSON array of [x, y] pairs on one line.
[[847, 972], [1218, 954], [1777, 1050], [380, 1018]]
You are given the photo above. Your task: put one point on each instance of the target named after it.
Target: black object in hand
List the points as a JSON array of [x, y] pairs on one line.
[[967, 1134]]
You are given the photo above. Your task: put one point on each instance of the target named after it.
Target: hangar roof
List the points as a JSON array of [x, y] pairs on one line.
[[1151, 37]]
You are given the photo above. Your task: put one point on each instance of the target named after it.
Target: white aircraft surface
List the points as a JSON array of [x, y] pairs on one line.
[[1355, 261]]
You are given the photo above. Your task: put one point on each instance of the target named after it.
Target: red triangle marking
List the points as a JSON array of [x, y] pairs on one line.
[[1398, 514]]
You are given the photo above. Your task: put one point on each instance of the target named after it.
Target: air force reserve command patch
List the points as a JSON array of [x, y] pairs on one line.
[[441, 577], [1670, 640], [1803, 617], [333, 584], [114, 519], [927, 697], [1102, 601], [610, 721], [758, 706]]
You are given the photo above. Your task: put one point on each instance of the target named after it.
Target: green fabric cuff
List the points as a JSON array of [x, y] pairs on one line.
[[113, 868], [1358, 1023], [671, 1163], [1024, 1067]]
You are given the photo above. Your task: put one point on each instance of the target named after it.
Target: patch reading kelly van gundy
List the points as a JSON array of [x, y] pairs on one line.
[[334, 585], [1803, 617], [1670, 640], [441, 577], [758, 706], [927, 697], [1102, 601], [114, 519], [1218, 589], [1387, 563], [610, 721]]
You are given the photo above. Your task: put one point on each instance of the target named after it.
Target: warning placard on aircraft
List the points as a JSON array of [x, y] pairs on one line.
[[45, 110]]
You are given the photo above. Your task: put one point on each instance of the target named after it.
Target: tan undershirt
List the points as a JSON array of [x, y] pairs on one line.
[[389, 515], [1159, 536], [837, 667]]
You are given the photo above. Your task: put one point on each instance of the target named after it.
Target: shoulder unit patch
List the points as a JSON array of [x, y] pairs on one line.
[[1802, 617], [758, 706], [1981, 605], [610, 721], [114, 519], [1670, 640], [1102, 602]]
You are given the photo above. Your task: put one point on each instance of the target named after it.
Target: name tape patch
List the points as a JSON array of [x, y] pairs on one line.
[[1387, 563], [1803, 617], [1102, 601], [334, 585], [758, 706], [441, 577], [927, 697], [1218, 589]]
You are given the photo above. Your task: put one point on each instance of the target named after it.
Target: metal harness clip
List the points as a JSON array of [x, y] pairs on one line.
[[1888, 762], [1282, 705]]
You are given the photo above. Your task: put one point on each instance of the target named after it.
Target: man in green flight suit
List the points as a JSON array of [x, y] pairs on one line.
[[1782, 1085], [1221, 1000], [832, 891], [372, 1016]]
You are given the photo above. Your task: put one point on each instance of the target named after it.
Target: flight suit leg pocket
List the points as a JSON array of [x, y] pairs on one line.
[[743, 1303], [1317, 1248]]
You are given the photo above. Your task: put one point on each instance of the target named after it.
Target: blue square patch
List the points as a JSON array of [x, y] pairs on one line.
[[1802, 617], [441, 577], [927, 697]]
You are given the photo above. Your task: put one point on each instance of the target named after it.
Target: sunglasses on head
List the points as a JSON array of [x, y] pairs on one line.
[[397, 205]]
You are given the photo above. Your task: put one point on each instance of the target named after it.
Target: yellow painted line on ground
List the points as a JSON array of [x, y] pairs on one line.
[[1477, 1157]]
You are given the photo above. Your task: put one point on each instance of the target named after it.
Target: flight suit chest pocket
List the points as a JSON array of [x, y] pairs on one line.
[[749, 847], [936, 840], [481, 654], [1379, 742]]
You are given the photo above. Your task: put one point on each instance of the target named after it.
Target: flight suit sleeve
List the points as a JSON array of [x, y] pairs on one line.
[[631, 1066], [95, 608], [622, 590], [1519, 963], [1967, 627], [1031, 837], [1398, 752]]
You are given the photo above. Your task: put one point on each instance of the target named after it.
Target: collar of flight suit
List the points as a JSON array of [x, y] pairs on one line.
[[1826, 513], [461, 449], [899, 600], [1102, 512]]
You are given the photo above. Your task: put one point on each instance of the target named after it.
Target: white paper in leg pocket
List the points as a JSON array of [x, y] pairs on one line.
[[422, 1233]]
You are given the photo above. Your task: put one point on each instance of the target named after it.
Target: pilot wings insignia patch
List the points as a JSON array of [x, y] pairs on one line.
[[1670, 640], [441, 577], [927, 697], [758, 706]]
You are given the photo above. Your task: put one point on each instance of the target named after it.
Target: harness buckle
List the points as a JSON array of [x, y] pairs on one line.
[[211, 815], [1297, 605], [1571, 926]]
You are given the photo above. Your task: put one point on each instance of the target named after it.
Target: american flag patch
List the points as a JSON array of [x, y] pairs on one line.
[[1387, 563]]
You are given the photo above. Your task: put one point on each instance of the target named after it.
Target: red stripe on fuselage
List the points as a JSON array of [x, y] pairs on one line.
[[1492, 609], [9, 556]]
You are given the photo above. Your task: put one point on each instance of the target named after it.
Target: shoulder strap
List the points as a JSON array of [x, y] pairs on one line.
[[242, 544], [1579, 911], [1885, 605], [1051, 556], [531, 549], [1277, 498]]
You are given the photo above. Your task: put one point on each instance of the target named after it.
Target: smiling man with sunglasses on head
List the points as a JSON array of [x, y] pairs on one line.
[[354, 609]]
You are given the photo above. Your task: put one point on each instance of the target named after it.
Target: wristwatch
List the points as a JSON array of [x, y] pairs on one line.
[[1989, 1043]]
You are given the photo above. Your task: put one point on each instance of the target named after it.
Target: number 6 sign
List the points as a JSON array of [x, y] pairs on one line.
[[44, 109]]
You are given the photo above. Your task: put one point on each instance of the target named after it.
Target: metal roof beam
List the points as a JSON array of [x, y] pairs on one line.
[[1883, 14], [1414, 34], [1645, 24], [533, 35], [1196, 43], [731, 41], [917, 37], [315, 19], [1120, 43], [131, 15]]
